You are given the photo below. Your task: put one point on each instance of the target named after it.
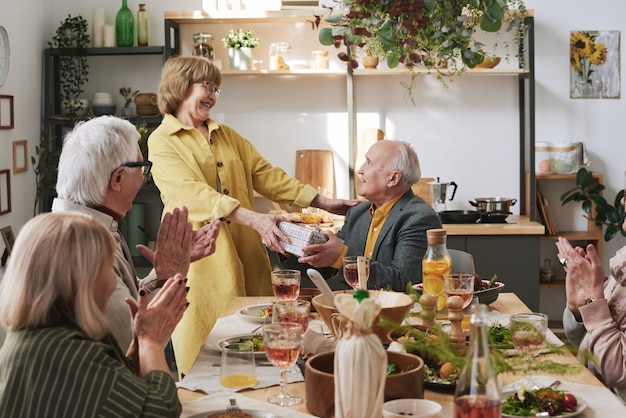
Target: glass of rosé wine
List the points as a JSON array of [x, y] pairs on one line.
[[528, 331], [459, 284], [351, 270], [282, 348], [286, 284], [297, 311]]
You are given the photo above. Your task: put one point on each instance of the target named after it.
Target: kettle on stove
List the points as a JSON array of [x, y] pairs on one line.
[[438, 194]]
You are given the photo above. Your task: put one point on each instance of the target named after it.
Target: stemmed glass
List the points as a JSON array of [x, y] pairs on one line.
[[351, 270], [282, 348], [459, 284], [286, 284], [528, 331], [297, 311]]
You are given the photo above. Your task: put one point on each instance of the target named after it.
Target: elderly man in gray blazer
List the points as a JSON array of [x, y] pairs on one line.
[[389, 228]]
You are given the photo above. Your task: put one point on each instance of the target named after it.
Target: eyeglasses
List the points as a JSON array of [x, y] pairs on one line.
[[145, 166], [211, 88]]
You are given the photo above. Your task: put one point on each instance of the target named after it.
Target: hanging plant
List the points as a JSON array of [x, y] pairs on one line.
[[72, 39]]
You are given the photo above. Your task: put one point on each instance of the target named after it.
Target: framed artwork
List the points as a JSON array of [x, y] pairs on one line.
[[6, 112], [5, 191], [20, 160], [8, 237], [595, 64]]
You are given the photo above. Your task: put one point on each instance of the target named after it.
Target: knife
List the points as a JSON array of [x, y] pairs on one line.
[[321, 284]]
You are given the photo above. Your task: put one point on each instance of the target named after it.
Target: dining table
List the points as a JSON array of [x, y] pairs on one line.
[[601, 402]]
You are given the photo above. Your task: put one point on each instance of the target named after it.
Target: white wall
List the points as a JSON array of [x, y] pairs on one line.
[[466, 133]]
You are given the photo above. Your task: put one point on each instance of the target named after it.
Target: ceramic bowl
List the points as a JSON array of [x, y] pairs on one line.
[[417, 408], [103, 110], [319, 382], [490, 295], [489, 62], [395, 307]]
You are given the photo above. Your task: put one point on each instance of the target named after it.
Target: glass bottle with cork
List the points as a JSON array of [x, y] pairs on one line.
[[203, 45], [435, 265], [142, 25], [477, 392]]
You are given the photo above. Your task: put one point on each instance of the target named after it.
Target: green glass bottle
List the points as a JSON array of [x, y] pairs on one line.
[[124, 26]]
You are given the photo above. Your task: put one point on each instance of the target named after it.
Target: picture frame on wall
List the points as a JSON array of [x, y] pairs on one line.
[[6, 112], [5, 191], [20, 158], [8, 237]]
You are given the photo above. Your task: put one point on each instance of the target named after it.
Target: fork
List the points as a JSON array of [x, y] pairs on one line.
[[233, 406]]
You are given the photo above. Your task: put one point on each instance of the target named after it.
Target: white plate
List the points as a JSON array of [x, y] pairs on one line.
[[253, 312], [582, 405], [254, 413], [219, 344]]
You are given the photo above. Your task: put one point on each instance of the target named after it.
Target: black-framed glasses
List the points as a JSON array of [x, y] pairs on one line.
[[146, 166], [211, 88]]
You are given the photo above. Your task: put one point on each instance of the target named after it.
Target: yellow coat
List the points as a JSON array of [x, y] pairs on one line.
[[185, 169]]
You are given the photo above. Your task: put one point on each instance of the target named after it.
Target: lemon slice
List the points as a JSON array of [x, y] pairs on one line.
[[433, 285], [441, 302]]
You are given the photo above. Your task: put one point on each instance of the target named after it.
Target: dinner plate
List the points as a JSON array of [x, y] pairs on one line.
[[219, 344], [438, 384], [253, 313], [253, 412], [582, 405]]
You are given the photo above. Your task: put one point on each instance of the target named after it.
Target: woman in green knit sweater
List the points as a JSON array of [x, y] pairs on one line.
[[59, 358]]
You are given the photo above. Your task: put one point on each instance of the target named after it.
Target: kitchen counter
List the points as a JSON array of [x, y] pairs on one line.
[[515, 225]]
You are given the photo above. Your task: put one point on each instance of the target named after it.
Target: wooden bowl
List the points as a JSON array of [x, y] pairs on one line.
[[395, 307], [319, 382], [489, 62]]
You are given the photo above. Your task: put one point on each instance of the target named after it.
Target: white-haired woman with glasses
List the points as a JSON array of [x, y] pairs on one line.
[[59, 358], [212, 170]]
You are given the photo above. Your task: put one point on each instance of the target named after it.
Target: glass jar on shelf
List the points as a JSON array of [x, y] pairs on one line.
[[280, 55], [319, 60], [203, 45]]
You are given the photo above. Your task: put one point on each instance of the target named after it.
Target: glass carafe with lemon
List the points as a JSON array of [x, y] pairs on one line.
[[435, 265]]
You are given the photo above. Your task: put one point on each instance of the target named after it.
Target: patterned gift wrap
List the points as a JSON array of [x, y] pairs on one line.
[[300, 236]]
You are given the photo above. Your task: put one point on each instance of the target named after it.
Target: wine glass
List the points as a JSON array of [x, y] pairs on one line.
[[459, 284], [282, 348], [351, 270], [286, 284], [528, 331], [297, 311]]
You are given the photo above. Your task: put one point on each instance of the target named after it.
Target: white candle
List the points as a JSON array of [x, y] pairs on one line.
[[97, 24], [109, 36]]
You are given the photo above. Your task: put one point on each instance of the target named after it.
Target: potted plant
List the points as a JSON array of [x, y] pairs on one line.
[[240, 44], [424, 33], [72, 39], [589, 194]]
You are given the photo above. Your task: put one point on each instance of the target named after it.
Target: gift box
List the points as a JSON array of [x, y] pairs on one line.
[[300, 236]]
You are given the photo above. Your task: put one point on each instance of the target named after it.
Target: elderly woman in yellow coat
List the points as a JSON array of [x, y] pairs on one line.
[[212, 170]]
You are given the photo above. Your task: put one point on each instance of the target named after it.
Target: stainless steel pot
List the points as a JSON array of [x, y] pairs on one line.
[[493, 204]]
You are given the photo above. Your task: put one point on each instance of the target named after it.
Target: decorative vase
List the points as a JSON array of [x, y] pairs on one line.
[[369, 62], [240, 58], [124, 26]]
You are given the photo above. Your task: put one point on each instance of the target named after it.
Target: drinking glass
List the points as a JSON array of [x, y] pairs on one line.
[[297, 311], [528, 331], [282, 348], [459, 284], [286, 284], [351, 270], [237, 368]]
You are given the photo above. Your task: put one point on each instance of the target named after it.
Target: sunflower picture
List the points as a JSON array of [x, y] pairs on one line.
[[594, 64]]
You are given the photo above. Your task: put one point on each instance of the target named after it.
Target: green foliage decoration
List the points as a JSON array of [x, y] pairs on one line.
[[45, 164], [590, 196]]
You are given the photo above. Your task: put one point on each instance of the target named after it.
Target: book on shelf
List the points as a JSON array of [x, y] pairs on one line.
[[545, 212]]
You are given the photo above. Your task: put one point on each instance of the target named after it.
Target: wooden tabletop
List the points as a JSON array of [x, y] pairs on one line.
[[507, 303]]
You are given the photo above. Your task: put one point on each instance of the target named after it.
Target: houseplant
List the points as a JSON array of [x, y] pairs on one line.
[[72, 39], [417, 31], [611, 216], [45, 163], [240, 44]]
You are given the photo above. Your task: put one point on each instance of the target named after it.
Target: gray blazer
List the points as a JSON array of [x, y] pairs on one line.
[[400, 247]]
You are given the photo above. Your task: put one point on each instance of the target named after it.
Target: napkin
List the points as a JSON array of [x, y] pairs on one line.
[[315, 343], [220, 401]]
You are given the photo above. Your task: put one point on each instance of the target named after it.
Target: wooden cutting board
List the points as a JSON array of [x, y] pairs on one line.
[[317, 168]]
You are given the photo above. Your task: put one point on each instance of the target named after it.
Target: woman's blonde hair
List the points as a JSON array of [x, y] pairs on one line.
[[51, 273], [178, 74]]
